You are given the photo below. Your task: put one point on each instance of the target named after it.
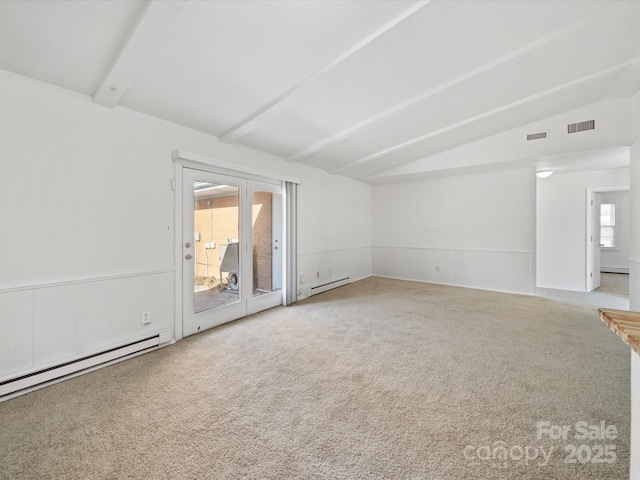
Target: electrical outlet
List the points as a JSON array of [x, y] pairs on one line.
[[437, 269], [145, 318], [318, 274]]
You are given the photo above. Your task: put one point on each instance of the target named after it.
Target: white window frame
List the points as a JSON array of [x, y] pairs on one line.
[[615, 225]]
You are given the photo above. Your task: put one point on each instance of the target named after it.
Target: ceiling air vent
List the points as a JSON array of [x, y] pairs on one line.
[[537, 136], [581, 126]]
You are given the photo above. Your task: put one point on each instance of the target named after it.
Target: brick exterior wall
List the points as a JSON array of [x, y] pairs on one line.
[[262, 241], [216, 220]]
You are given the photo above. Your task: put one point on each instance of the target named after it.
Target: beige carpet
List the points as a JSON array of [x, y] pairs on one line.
[[380, 379], [612, 293]]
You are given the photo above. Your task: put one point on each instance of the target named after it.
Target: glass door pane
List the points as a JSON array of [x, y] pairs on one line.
[[216, 220], [266, 223]]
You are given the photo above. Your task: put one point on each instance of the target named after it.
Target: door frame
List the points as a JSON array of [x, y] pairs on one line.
[[592, 271], [590, 260], [183, 159]]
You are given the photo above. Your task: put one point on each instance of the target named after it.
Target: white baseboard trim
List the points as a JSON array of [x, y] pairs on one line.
[[454, 285], [357, 279]]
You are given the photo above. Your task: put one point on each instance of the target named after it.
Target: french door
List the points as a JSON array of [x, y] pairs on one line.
[[232, 248]]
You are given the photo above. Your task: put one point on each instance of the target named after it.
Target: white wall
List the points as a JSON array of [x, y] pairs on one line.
[[561, 221], [478, 229], [617, 259], [334, 230], [634, 291], [86, 209]]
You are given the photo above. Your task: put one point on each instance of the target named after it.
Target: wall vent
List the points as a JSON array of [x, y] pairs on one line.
[[537, 136], [581, 126]]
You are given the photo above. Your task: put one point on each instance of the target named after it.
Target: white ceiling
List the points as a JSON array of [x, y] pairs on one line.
[[367, 89]]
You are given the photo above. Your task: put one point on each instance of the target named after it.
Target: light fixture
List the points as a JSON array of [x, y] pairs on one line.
[[544, 173]]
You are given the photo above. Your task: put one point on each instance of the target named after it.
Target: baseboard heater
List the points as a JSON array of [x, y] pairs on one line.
[[75, 367], [328, 286], [614, 270]]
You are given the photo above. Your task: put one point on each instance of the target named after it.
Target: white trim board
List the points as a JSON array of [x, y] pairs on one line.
[[447, 249], [457, 285], [334, 250], [79, 281], [197, 161]]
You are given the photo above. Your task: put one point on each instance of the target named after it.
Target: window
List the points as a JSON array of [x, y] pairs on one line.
[[608, 224]]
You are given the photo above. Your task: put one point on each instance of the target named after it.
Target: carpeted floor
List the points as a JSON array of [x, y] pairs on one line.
[[381, 379], [612, 293]]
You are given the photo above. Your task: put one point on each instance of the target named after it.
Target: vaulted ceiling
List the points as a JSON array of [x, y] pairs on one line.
[[366, 89]]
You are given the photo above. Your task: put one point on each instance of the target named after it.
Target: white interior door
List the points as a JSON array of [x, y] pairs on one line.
[[593, 241], [228, 240], [597, 253]]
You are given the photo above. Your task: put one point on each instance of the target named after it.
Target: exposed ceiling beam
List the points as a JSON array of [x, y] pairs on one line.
[[449, 172], [283, 101], [467, 121], [395, 109], [138, 49]]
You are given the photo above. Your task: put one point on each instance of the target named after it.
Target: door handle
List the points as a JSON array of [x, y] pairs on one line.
[[188, 256]]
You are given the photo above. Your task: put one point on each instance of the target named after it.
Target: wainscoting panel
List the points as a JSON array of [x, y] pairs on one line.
[[46, 325], [16, 332], [505, 271], [318, 268], [54, 324]]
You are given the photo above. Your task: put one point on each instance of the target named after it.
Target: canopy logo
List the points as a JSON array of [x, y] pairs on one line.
[[500, 453]]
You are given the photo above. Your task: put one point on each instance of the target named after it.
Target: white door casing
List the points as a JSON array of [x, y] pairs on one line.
[[243, 298], [593, 240]]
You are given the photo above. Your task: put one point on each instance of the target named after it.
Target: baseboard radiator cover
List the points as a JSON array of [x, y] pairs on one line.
[[614, 270], [329, 285], [16, 386]]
